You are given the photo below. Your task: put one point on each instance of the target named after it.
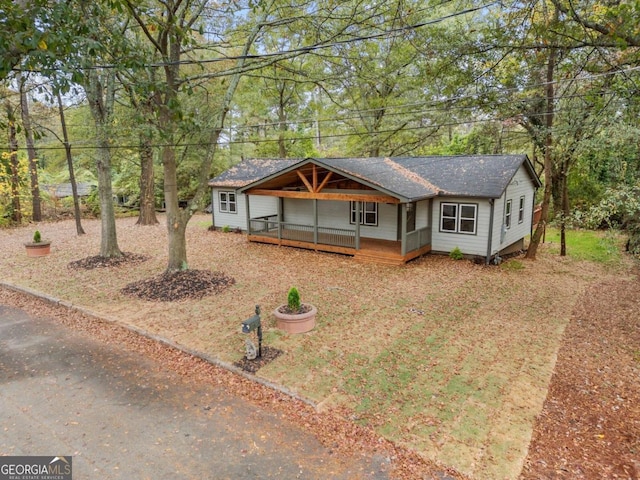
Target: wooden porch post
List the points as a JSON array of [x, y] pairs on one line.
[[280, 217], [358, 204], [315, 219], [248, 212], [403, 229]]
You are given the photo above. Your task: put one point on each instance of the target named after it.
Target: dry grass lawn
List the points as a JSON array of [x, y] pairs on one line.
[[448, 358]]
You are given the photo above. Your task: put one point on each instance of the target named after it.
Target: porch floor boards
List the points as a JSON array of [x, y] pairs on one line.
[[372, 250]]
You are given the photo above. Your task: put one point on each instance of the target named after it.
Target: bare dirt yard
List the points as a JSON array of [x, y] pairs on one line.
[[450, 369]]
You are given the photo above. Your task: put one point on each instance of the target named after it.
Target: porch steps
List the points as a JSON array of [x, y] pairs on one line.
[[389, 257], [384, 258]]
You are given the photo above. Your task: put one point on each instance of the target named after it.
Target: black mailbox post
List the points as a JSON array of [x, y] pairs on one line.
[[253, 323]]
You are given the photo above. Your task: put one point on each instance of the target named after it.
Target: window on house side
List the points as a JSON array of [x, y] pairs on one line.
[[368, 213], [449, 217], [521, 210], [458, 218], [507, 214], [227, 202], [467, 219]]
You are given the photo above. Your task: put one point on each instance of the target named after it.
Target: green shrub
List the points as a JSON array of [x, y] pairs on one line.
[[226, 229], [37, 238], [293, 299], [456, 254]]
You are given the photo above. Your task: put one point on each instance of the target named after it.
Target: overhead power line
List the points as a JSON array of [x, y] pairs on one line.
[[426, 107], [436, 126], [295, 51]]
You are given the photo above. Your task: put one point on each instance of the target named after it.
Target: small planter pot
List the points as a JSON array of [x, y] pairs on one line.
[[39, 249], [295, 322]]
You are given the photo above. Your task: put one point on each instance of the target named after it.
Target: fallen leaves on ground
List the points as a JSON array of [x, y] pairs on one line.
[[333, 428], [590, 423]]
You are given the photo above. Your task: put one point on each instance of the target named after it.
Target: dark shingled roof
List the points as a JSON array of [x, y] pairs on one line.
[[63, 190], [409, 178], [251, 170]]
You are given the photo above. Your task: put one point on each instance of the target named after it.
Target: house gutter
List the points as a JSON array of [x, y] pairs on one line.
[[488, 258]]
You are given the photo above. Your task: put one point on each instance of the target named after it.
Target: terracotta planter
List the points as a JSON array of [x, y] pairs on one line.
[[39, 249], [296, 323]]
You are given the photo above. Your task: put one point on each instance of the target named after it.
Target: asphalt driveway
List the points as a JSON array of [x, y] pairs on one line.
[[121, 416]]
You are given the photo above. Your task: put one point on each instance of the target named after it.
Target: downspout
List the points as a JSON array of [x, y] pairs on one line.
[[488, 259]]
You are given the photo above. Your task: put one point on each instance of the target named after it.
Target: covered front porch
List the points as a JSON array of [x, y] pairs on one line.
[[339, 240], [314, 207]]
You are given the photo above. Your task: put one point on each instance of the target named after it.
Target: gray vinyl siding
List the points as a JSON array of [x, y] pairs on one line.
[[337, 214], [422, 214], [260, 206], [469, 244], [520, 185]]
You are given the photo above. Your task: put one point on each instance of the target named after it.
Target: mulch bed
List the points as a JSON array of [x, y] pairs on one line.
[[590, 424], [269, 354], [181, 285], [98, 261]]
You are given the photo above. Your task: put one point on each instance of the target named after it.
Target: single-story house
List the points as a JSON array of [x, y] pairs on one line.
[[387, 210], [63, 190]]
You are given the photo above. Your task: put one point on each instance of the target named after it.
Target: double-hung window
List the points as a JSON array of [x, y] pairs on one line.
[[368, 213], [507, 214], [458, 217], [227, 202], [521, 210]]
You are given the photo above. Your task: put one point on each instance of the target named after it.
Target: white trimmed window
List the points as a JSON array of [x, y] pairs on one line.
[[507, 214], [227, 202], [458, 217], [521, 210], [368, 213]]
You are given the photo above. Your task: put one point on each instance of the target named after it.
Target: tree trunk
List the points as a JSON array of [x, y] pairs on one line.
[[557, 175], [168, 43], [176, 218], [31, 151], [147, 215], [101, 105], [282, 127], [72, 176], [16, 214], [548, 159], [565, 209]]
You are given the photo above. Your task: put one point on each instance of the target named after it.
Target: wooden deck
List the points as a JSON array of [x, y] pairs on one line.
[[371, 249]]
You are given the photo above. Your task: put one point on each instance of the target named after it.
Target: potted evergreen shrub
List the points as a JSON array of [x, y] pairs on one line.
[[295, 316], [38, 247]]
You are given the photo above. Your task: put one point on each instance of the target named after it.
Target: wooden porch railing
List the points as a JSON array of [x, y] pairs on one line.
[[269, 226], [418, 239]]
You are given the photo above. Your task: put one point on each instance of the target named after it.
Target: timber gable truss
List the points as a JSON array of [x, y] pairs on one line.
[[314, 182]]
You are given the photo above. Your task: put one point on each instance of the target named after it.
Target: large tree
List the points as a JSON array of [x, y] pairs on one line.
[[31, 150], [170, 28]]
